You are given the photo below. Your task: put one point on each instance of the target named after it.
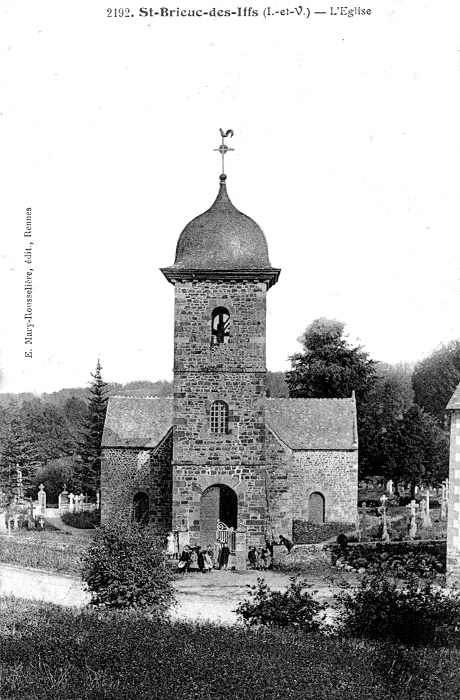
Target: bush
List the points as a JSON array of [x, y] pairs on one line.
[[294, 607], [416, 615], [124, 568], [82, 521], [51, 651]]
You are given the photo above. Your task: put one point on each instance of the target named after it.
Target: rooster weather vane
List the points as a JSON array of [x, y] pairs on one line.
[[223, 148]]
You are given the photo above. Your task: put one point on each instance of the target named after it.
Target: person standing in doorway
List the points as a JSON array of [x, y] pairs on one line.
[[224, 554]]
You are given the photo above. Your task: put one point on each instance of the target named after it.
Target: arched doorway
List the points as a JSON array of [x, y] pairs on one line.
[[316, 508], [141, 508], [218, 502]]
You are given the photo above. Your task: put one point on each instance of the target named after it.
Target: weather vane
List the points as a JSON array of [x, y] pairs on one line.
[[223, 148]]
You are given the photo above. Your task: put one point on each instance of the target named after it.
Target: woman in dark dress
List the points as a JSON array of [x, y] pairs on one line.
[[184, 560], [224, 554]]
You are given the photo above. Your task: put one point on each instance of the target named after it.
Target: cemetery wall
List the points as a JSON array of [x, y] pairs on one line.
[[300, 555]]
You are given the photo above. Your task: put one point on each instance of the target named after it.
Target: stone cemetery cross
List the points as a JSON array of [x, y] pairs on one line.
[[444, 498], [413, 524], [383, 510]]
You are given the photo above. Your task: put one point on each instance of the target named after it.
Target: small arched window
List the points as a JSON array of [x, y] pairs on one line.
[[141, 508], [316, 508], [219, 417], [220, 326]]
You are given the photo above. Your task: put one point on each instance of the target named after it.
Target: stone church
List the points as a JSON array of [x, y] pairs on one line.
[[220, 453]]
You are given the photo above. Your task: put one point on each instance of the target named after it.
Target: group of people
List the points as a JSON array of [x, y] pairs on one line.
[[203, 560], [259, 558]]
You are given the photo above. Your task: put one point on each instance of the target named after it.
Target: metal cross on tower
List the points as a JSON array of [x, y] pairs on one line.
[[223, 148]]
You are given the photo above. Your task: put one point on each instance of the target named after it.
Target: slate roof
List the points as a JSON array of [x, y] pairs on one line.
[[314, 424], [137, 422], [302, 424], [454, 402], [222, 238]]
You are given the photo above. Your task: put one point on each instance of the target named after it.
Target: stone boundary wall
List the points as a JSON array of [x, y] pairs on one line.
[[300, 554], [304, 554]]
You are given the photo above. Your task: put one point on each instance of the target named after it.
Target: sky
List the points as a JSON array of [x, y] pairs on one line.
[[346, 151]]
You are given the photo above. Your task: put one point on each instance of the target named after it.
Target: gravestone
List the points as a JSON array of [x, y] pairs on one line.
[[383, 511], [64, 501], [41, 498], [413, 523], [427, 520]]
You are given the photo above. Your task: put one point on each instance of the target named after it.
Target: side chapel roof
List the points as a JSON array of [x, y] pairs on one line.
[[314, 424], [302, 424], [137, 422]]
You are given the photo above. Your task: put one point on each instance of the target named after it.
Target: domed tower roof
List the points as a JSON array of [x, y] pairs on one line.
[[222, 242]]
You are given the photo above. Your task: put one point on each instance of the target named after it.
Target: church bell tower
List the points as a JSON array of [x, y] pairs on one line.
[[221, 276]]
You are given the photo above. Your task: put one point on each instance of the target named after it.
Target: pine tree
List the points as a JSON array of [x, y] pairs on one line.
[[19, 450], [90, 475]]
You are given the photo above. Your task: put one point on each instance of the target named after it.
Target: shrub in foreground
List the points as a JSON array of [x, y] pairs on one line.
[[124, 568], [121, 655], [294, 607], [417, 614]]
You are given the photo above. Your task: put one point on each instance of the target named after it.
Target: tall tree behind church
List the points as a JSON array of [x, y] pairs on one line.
[[90, 476], [329, 366]]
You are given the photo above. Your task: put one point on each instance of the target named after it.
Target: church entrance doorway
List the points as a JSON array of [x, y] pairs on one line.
[[219, 503]]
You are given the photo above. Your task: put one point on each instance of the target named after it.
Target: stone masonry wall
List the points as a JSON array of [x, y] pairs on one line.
[[279, 481], [161, 483], [194, 303], [233, 372], [333, 473], [126, 471], [453, 514]]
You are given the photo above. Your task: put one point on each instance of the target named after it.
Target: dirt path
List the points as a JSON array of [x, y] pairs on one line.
[[212, 596]]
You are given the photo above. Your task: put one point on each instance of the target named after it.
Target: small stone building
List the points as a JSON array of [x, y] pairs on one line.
[[220, 450]]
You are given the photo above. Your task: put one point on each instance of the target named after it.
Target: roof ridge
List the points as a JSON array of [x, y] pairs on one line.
[[308, 398], [117, 396]]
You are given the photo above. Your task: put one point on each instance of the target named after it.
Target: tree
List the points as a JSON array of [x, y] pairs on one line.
[[19, 449], [276, 385], [124, 568], [416, 450], [90, 475], [328, 366], [435, 379], [390, 396]]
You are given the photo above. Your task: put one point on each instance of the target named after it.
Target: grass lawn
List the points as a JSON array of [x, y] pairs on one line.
[[51, 550], [49, 651]]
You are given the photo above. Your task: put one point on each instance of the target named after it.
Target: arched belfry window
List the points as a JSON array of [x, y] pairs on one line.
[[219, 417], [220, 326]]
